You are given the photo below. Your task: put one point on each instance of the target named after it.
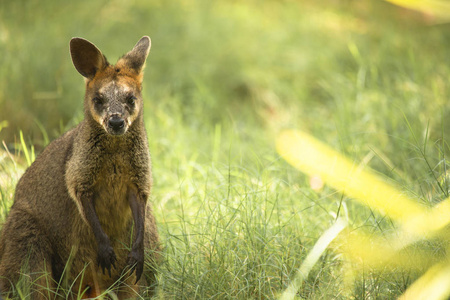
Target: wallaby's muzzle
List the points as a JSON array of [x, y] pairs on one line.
[[116, 125]]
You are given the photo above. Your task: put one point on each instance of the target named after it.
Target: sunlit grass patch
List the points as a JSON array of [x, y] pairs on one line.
[[414, 223], [312, 157], [10, 172]]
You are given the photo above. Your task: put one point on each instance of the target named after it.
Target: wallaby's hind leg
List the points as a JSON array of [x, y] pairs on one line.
[[25, 255]]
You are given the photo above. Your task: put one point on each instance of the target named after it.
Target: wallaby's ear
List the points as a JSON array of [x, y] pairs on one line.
[[86, 58], [135, 59]]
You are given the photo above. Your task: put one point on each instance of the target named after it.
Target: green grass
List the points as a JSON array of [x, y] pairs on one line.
[[222, 79]]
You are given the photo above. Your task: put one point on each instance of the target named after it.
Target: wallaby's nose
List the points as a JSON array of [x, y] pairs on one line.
[[116, 123]]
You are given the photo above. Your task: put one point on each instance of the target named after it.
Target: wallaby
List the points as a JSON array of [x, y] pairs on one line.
[[80, 212]]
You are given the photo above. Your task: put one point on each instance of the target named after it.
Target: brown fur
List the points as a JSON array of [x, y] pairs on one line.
[[78, 204]]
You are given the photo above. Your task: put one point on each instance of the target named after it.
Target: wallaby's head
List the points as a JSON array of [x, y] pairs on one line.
[[113, 92]]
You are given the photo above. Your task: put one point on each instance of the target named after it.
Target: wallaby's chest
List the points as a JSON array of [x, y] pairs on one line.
[[114, 170], [111, 189]]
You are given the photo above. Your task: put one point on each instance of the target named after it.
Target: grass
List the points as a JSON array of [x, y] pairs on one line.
[[236, 220]]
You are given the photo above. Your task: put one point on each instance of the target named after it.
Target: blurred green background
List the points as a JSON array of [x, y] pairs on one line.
[[223, 77], [296, 63]]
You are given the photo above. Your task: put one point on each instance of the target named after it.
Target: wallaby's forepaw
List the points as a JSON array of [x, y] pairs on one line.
[[106, 258], [136, 262]]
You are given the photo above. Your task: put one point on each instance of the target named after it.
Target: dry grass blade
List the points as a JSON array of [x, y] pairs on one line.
[[316, 252]]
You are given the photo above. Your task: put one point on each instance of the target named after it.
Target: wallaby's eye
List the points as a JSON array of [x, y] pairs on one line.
[[131, 100], [97, 100]]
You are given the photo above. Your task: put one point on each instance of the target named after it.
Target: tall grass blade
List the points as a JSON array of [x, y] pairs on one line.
[[313, 157], [3, 124], [319, 248], [437, 8], [25, 149], [433, 285], [43, 131]]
